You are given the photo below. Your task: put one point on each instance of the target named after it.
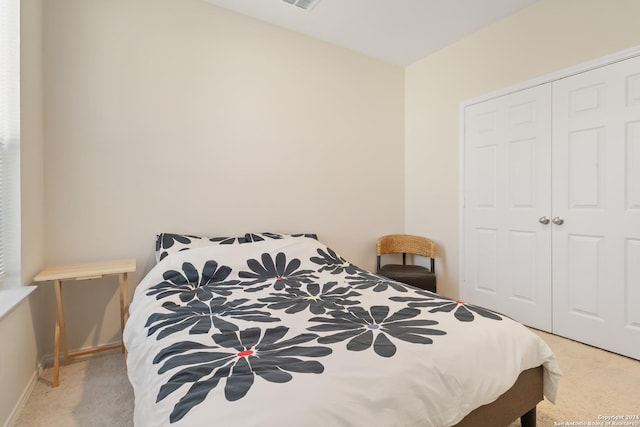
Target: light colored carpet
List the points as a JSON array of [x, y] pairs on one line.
[[96, 392], [596, 383]]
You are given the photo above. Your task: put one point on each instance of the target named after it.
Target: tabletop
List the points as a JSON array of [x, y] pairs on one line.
[[86, 270]]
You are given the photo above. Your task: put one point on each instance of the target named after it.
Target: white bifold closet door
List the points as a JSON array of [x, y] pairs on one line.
[[507, 182], [596, 191], [552, 206]]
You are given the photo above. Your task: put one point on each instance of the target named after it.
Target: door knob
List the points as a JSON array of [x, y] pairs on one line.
[[543, 220], [558, 220]]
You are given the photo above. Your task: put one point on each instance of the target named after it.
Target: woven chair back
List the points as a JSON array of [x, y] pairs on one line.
[[405, 243]]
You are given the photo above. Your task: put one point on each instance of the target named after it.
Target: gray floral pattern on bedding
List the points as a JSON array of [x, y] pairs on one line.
[[237, 313]]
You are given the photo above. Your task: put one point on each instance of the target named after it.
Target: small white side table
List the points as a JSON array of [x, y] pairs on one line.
[[85, 271]]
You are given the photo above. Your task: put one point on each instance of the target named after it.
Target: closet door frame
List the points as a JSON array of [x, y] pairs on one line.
[[550, 78]]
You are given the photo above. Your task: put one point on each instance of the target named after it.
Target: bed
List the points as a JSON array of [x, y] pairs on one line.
[[274, 330]]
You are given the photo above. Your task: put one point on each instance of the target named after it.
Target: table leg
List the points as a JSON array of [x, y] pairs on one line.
[[60, 333], [56, 355], [123, 282]]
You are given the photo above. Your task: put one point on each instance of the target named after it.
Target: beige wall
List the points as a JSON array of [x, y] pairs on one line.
[[546, 37], [175, 115], [21, 330], [32, 140], [18, 358]]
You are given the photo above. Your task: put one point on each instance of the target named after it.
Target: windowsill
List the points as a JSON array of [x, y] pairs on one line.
[[10, 298]]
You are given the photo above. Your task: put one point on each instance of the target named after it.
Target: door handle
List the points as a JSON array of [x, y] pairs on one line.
[[558, 220], [543, 220]]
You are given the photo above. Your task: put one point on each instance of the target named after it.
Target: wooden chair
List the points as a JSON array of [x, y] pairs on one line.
[[416, 275]]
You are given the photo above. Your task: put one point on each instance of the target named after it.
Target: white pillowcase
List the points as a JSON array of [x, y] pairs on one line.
[[169, 243], [258, 237]]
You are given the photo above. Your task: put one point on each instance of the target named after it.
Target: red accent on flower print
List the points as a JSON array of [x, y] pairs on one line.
[[279, 277], [460, 302], [245, 353]]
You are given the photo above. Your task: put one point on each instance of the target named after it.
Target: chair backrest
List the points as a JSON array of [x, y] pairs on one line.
[[405, 244]]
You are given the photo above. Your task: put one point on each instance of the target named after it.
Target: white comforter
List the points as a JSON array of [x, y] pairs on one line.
[[287, 333]]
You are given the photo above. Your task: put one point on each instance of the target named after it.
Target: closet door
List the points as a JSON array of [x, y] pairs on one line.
[[596, 192], [507, 184]]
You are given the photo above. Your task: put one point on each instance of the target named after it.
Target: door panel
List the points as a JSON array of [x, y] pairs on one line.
[[632, 284], [583, 164], [523, 247], [485, 261], [596, 179], [507, 266], [585, 258], [632, 169]]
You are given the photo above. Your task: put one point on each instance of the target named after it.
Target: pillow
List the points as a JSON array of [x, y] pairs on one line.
[[169, 243], [258, 237]]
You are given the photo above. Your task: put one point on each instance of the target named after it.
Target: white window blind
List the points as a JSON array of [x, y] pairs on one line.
[[9, 134]]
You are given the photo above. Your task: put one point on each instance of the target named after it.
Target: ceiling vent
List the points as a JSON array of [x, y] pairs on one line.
[[303, 4]]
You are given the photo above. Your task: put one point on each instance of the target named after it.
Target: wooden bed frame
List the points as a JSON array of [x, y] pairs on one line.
[[519, 401]]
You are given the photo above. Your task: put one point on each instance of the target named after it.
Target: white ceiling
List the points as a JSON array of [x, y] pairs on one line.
[[396, 31]]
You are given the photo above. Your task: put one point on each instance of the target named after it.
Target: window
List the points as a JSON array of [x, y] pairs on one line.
[[9, 142]]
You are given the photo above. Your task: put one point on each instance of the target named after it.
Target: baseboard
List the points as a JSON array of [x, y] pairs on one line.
[[17, 410]]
